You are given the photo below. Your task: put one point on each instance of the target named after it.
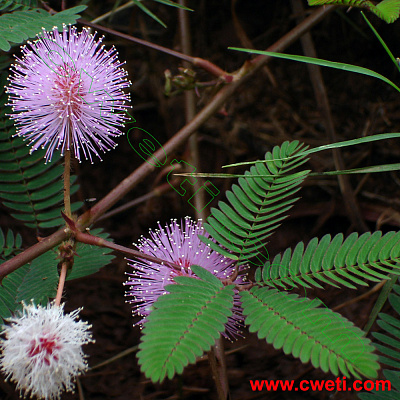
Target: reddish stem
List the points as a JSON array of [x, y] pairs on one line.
[[199, 62], [98, 241], [61, 282]]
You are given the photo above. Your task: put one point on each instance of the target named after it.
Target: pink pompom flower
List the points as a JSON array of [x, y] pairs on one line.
[[67, 92], [180, 245], [42, 350]]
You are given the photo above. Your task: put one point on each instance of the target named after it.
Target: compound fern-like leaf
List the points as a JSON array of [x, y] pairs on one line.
[[336, 261], [391, 350], [388, 10], [18, 26], [316, 335], [184, 324], [258, 204]]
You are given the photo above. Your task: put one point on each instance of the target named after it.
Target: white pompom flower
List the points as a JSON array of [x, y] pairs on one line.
[[42, 350]]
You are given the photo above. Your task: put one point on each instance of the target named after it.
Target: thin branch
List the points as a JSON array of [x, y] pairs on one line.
[[157, 192], [32, 252], [370, 292], [199, 62], [100, 242]]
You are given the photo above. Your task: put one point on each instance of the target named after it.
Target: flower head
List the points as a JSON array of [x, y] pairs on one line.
[[42, 350], [64, 92], [181, 246]]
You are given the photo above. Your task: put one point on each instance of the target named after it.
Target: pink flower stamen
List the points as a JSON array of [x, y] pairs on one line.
[[45, 349], [67, 92]]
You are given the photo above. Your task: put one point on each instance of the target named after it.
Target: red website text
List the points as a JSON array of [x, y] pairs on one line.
[[339, 384]]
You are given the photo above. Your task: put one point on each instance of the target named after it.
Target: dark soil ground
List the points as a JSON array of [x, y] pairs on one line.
[[277, 104]]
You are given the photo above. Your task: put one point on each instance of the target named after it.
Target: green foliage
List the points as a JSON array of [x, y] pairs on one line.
[[9, 292], [388, 10], [330, 146], [38, 280], [18, 26], [4, 64], [10, 245], [323, 63], [152, 15], [309, 333], [392, 326], [259, 204], [12, 5], [390, 348], [335, 261], [185, 323], [29, 187]]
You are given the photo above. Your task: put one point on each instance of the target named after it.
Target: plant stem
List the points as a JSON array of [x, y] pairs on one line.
[[100, 242], [67, 208], [199, 62], [61, 282], [215, 357], [67, 183]]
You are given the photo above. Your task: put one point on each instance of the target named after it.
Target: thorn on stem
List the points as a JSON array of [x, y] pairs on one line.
[[70, 222]]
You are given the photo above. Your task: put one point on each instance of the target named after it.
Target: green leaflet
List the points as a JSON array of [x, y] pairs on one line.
[[316, 335], [390, 350], [257, 204], [184, 324], [38, 280], [18, 26], [388, 10], [9, 245], [335, 261]]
